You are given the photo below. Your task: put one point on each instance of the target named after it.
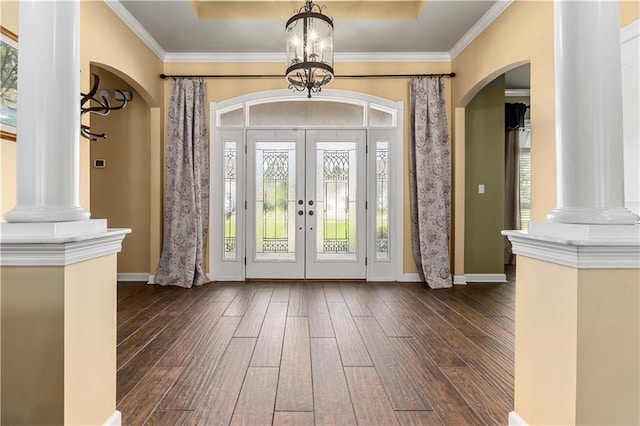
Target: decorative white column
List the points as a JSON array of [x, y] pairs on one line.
[[48, 113], [588, 101]]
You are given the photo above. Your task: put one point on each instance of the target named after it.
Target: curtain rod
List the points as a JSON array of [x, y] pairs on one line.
[[164, 76]]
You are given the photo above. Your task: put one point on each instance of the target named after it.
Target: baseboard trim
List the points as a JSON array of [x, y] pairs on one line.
[[133, 276], [115, 419], [516, 420], [485, 278], [459, 280], [150, 279], [411, 277]]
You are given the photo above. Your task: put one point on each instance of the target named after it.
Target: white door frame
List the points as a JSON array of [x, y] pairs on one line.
[[229, 121]]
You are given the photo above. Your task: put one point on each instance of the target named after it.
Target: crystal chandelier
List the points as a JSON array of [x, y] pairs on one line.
[[309, 49]]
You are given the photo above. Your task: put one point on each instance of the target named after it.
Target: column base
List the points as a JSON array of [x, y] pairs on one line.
[[51, 231], [613, 216], [46, 214]]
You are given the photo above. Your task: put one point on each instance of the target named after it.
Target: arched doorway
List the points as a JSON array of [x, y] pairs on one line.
[[122, 180], [306, 188]]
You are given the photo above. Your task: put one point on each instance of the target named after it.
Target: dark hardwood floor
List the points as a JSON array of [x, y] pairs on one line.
[[329, 353]]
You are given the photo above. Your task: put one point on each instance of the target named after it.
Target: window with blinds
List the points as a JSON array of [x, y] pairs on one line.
[[525, 188]]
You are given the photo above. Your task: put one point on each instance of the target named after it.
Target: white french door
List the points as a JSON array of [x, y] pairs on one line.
[[306, 195]]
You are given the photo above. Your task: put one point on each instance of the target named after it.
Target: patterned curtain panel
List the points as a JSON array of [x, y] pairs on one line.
[[430, 181], [186, 200], [511, 188]]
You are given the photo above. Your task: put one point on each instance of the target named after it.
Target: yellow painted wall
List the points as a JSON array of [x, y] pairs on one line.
[[121, 192], [523, 33], [577, 344], [59, 343], [105, 40], [90, 341], [546, 342], [394, 89], [32, 345], [608, 347], [629, 12]]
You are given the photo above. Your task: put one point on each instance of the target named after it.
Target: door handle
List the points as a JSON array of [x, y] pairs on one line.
[[310, 202], [310, 212], [300, 212], [300, 202]]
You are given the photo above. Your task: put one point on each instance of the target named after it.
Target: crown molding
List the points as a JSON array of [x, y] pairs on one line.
[[486, 20], [629, 32], [135, 26], [397, 57], [517, 92], [225, 57]]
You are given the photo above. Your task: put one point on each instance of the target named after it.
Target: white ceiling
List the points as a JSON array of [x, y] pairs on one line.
[[441, 30], [175, 27]]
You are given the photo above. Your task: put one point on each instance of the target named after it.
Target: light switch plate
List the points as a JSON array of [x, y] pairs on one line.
[[481, 189]]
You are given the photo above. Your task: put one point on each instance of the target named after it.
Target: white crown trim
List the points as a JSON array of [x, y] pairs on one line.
[[61, 253], [135, 26], [225, 57], [517, 92], [486, 20], [392, 57], [630, 32], [277, 57]]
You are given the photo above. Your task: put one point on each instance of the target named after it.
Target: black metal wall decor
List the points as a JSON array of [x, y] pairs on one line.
[[103, 106]]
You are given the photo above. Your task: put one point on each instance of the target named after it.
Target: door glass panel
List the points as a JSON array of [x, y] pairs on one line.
[[305, 113], [231, 118], [379, 117], [336, 178], [230, 176], [382, 200], [275, 201]]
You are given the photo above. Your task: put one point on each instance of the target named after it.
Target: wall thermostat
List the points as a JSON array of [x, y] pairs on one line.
[[99, 164]]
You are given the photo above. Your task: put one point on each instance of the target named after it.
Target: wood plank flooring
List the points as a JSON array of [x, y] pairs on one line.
[[325, 353]]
